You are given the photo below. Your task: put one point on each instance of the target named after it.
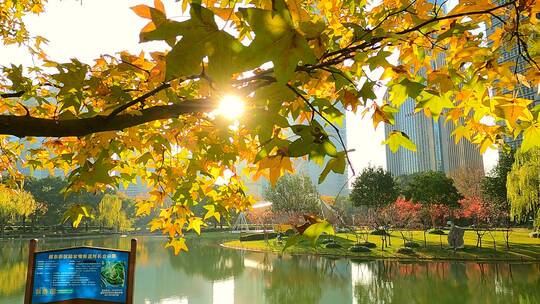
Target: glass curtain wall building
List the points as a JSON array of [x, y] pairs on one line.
[[520, 66], [436, 149]]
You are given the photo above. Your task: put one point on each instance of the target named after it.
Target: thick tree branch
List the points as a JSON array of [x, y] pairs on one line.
[[22, 126], [12, 95]]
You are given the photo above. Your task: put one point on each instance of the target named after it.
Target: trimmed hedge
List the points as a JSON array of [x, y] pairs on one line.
[[379, 232], [327, 241], [436, 231], [412, 245], [405, 250], [257, 237], [332, 245], [367, 244], [356, 248]]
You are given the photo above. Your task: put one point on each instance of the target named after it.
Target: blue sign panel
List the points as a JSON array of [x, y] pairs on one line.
[[80, 273]]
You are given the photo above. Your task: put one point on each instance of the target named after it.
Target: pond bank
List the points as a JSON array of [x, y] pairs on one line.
[[522, 248]]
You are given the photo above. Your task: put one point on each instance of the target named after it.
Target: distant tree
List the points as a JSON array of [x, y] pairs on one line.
[[50, 192], [432, 187], [468, 181], [407, 217], [482, 215], [523, 186], [293, 193], [26, 205], [374, 187], [8, 208], [14, 203], [494, 184], [111, 214]]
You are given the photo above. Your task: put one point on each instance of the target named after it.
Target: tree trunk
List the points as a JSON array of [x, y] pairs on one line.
[[425, 240]]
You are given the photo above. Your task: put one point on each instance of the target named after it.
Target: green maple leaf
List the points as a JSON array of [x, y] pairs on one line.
[[201, 38], [276, 40]]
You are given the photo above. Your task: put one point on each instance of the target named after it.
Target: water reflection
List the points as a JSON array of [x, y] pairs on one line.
[[209, 274]]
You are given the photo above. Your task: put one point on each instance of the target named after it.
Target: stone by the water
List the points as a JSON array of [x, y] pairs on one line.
[[455, 237]]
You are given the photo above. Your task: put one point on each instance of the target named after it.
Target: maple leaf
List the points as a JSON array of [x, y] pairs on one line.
[[397, 139], [178, 244]]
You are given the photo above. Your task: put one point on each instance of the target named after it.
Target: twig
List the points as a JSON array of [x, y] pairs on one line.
[[327, 121]]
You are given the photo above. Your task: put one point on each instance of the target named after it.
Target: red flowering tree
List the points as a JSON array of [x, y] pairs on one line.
[[407, 217], [482, 216]]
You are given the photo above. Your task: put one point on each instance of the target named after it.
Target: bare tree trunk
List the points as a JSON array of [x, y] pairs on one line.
[[425, 240]]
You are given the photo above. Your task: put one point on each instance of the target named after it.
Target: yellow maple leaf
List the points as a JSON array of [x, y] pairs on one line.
[[177, 244]]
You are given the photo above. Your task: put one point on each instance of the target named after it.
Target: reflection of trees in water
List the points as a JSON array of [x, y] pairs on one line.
[[212, 263], [13, 259], [301, 279], [447, 282]]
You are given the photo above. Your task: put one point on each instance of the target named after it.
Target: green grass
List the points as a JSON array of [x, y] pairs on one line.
[[522, 247]]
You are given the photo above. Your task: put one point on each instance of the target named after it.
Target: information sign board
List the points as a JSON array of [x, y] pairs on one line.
[[80, 275]]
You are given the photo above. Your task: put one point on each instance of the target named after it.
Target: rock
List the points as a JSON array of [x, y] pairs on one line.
[[455, 237]]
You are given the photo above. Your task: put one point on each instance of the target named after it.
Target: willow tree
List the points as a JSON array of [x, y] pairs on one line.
[[523, 186], [294, 65]]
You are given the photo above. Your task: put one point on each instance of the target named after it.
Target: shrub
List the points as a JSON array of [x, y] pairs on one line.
[[332, 245], [535, 234], [405, 250], [412, 245], [379, 232], [436, 231], [257, 237], [368, 244], [357, 248], [327, 241]]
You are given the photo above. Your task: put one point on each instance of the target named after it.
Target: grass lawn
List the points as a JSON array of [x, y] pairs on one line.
[[522, 247]]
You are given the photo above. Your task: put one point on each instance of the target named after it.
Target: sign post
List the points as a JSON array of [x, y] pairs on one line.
[[80, 275]]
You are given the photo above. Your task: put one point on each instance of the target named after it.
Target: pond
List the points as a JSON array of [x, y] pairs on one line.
[[211, 274]]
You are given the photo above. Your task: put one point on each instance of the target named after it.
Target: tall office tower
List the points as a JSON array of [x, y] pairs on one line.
[[436, 149], [513, 55]]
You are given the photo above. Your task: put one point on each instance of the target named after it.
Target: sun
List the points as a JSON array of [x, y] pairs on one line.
[[231, 107]]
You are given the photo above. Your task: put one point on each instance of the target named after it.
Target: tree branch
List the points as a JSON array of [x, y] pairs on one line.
[[139, 99], [22, 126], [12, 95], [341, 141]]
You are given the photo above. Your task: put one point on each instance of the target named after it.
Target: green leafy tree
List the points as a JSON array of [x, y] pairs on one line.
[[51, 193], [294, 193], [431, 187], [524, 186], [13, 204], [110, 213], [8, 209], [374, 187], [494, 185]]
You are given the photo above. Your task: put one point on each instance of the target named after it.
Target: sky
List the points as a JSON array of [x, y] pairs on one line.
[[94, 27]]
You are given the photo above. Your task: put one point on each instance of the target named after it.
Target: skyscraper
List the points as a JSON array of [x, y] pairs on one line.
[[520, 66], [436, 149]]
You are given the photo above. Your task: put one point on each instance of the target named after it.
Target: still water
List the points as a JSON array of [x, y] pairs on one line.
[[209, 274]]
